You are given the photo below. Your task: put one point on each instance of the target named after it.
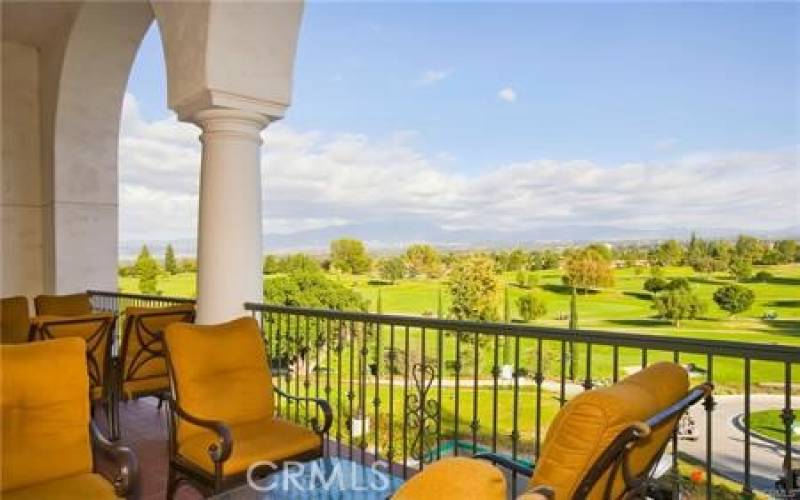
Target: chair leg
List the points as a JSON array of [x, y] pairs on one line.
[[112, 417], [160, 401], [172, 483]]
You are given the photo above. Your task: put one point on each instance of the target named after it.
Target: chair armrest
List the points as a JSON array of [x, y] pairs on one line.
[[126, 480], [505, 462], [323, 405], [697, 393], [219, 451]]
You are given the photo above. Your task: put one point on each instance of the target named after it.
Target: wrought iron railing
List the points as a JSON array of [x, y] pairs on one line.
[[410, 390]]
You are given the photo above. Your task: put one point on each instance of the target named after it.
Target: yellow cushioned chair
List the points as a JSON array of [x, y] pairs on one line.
[[15, 320], [143, 369], [76, 304], [596, 435], [96, 330], [47, 446], [222, 408]]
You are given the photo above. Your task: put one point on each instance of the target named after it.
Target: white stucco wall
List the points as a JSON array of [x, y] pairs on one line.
[[84, 126], [21, 200]]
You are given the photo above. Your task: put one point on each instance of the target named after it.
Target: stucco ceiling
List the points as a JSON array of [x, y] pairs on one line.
[[36, 23]]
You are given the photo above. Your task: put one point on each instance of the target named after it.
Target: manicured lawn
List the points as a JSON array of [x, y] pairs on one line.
[[623, 308], [526, 415], [770, 424]]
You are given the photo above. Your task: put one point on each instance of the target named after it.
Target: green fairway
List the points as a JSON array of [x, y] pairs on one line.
[[770, 423], [623, 308], [626, 307]]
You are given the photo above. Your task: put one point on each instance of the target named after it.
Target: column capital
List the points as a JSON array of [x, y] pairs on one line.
[[231, 123]]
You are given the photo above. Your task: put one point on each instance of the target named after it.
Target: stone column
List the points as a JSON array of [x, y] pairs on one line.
[[229, 227]]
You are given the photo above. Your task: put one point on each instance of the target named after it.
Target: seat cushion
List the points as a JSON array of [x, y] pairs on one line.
[[272, 440], [220, 373], [153, 385], [77, 304], [587, 425], [45, 413], [78, 487], [15, 321], [455, 479]]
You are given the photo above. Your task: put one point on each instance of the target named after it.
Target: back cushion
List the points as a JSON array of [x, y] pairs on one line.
[[77, 304], [45, 412], [15, 321], [220, 372], [587, 425], [94, 329], [144, 326]]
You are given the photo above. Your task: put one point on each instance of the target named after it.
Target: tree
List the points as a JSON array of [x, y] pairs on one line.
[[306, 289], [272, 265], [507, 341], [787, 250], [311, 289], [588, 269], [697, 254], [678, 284], [423, 259], [392, 269], [531, 306], [146, 269], [721, 251], [299, 263], [749, 248], [670, 253], [677, 305], [474, 289], [188, 265], [516, 260], [522, 279], [170, 263], [603, 249], [705, 264], [734, 298], [741, 268], [655, 284], [573, 325], [350, 256], [547, 259]]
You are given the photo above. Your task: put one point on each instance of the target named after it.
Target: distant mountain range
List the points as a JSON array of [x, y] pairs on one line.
[[386, 238]]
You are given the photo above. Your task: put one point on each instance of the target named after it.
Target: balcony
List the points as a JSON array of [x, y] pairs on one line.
[[394, 404]]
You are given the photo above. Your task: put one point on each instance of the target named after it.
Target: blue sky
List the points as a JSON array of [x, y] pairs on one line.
[[474, 87]]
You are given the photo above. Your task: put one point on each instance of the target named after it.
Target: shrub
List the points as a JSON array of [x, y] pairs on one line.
[[763, 277], [678, 284], [531, 306], [655, 284]]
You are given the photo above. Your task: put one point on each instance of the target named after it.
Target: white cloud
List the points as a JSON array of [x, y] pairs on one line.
[[433, 76], [313, 181], [507, 94]]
